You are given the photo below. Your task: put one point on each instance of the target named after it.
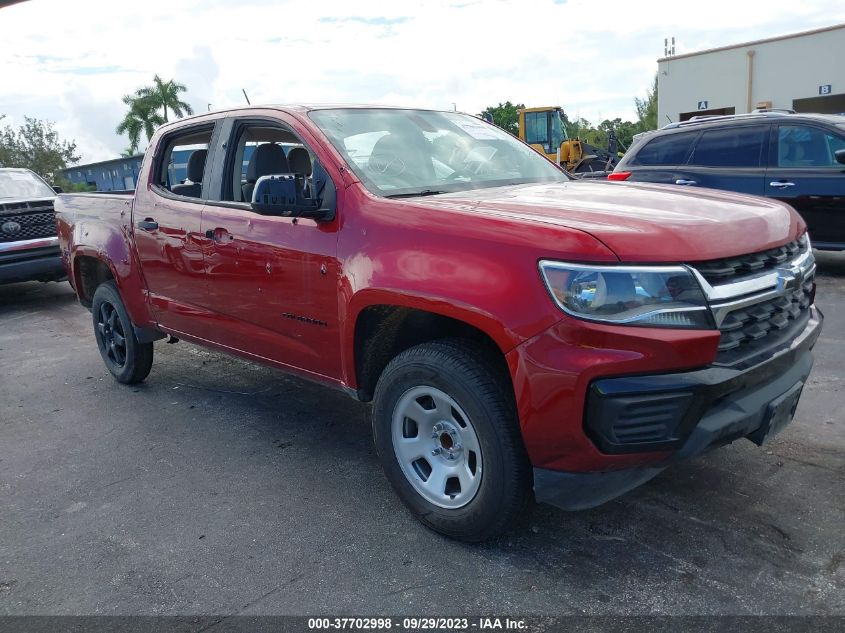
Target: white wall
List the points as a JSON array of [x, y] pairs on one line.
[[784, 70]]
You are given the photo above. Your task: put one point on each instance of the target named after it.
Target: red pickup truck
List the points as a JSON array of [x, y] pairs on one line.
[[521, 335]]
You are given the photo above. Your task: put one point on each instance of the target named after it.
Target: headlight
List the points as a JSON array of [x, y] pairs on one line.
[[649, 296]]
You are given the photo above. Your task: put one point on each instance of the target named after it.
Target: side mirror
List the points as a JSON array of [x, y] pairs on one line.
[[840, 156], [58, 189], [289, 195]]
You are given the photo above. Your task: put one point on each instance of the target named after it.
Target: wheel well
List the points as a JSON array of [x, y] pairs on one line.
[[90, 273], [384, 331]]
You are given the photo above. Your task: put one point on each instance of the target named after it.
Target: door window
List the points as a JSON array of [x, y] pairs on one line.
[[262, 149], [181, 165], [806, 146], [537, 128], [730, 147], [669, 149]]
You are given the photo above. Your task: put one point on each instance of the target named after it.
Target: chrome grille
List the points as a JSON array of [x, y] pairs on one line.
[[26, 221], [719, 271], [758, 312], [753, 326]]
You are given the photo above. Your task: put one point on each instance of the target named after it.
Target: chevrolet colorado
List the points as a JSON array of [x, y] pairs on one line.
[[521, 335]]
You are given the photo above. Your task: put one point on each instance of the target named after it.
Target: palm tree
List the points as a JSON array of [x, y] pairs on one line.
[[141, 117], [165, 94]]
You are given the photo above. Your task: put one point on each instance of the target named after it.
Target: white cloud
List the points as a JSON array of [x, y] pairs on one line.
[[71, 62]]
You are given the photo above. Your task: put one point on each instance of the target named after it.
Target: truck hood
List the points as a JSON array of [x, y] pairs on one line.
[[643, 222]]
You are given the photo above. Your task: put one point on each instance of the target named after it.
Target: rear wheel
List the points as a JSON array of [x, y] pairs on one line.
[[446, 430], [128, 360]]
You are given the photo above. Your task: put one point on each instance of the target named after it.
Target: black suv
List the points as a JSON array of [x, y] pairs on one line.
[[797, 158]]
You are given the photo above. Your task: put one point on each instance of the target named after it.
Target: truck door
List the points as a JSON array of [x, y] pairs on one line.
[[803, 172], [732, 158], [166, 221], [272, 281]]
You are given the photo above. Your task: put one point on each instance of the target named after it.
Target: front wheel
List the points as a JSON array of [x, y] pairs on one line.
[[446, 430], [128, 360]]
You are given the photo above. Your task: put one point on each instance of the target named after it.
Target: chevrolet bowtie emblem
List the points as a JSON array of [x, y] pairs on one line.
[[789, 278]]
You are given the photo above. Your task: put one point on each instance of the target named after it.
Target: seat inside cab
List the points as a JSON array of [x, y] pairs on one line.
[[265, 151]]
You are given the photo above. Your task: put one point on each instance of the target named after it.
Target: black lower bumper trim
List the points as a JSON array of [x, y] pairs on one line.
[[40, 266], [722, 405], [660, 412], [579, 491]]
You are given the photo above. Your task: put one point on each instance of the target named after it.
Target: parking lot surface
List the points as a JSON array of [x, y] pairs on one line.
[[220, 486]]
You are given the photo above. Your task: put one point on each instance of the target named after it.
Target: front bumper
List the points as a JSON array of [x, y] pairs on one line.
[[692, 412], [31, 260]]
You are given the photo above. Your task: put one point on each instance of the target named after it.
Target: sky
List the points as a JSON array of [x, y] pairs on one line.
[[71, 61]]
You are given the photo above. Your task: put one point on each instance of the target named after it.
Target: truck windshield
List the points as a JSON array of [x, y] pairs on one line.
[[16, 183], [405, 152]]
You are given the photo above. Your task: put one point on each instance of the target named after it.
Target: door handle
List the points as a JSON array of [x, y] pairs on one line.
[[781, 184], [219, 235], [147, 224], [681, 181]]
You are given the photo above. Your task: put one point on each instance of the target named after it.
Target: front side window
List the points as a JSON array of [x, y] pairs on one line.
[[263, 149], [730, 147], [23, 184], [669, 149], [807, 146], [406, 152]]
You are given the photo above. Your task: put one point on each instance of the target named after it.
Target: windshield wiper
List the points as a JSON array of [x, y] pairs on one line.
[[414, 194]]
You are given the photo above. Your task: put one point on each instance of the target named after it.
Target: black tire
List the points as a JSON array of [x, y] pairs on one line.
[[128, 360], [474, 379]]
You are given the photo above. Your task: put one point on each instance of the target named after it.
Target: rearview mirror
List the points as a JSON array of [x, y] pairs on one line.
[[840, 156], [292, 195], [58, 189]]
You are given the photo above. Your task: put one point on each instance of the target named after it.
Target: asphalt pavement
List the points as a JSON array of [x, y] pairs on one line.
[[220, 486]]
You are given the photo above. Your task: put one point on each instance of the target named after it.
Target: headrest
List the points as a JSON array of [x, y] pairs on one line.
[[196, 165], [267, 159], [386, 155], [395, 155], [299, 161]]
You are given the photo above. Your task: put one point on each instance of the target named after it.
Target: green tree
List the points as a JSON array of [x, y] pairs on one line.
[[149, 107], [647, 109], [37, 146], [505, 115], [165, 95], [624, 131], [69, 187], [141, 117]]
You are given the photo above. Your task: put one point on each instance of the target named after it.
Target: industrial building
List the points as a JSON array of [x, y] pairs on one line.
[[802, 72], [110, 175], [120, 174]]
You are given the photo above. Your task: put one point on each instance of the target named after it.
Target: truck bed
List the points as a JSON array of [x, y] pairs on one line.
[[91, 220]]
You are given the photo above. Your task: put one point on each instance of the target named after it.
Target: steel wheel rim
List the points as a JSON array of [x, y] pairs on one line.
[[111, 335], [436, 446]]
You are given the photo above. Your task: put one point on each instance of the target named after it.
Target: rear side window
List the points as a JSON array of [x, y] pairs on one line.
[[730, 147], [181, 165], [806, 146], [670, 149]]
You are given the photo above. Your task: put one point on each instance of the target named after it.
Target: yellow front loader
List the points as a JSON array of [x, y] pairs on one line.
[[543, 129]]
